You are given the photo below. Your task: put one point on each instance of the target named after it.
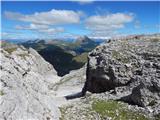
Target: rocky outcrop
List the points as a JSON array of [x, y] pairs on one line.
[[25, 78], [124, 69], [132, 64], [71, 84]]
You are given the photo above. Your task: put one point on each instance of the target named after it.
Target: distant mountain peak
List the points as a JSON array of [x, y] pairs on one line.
[[83, 39]]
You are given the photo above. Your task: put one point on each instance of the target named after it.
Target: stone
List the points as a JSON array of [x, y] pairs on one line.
[[24, 84], [131, 64]]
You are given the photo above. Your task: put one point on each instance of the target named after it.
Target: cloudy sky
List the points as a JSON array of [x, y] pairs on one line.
[[47, 20]]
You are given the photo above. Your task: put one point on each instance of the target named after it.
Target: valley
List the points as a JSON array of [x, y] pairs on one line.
[[63, 55], [80, 60], [98, 90]]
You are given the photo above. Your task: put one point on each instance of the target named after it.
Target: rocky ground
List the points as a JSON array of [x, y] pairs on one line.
[[30, 87], [24, 82], [124, 75], [71, 83], [121, 81]]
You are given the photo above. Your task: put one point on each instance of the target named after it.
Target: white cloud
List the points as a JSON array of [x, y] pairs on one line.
[[104, 25], [4, 34], [52, 30], [82, 2], [111, 21], [32, 27], [100, 37], [53, 17], [46, 22], [41, 28], [12, 35]]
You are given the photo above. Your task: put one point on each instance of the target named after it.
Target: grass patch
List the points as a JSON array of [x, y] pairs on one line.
[[10, 50], [63, 111], [115, 54], [120, 57], [152, 103], [155, 40], [81, 58], [116, 111], [1, 93], [101, 110]]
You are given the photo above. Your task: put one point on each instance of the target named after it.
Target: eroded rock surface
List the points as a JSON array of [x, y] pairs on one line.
[[71, 83], [24, 86], [132, 64]]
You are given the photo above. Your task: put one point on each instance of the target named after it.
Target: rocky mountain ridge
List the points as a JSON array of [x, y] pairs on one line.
[[129, 67], [64, 55], [25, 78], [122, 82], [119, 82]]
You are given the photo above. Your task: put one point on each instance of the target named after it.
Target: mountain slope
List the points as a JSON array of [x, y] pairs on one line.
[[123, 78], [60, 59], [25, 80], [31, 88], [64, 56]]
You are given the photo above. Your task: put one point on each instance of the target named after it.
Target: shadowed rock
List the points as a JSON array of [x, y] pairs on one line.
[[133, 63]]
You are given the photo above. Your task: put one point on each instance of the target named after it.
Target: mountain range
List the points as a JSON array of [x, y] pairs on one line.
[[120, 81], [64, 55]]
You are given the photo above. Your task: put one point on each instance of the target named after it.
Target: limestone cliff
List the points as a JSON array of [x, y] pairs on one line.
[[132, 64], [24, 85]]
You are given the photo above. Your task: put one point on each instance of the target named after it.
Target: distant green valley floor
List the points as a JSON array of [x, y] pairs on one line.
[[64, 56]]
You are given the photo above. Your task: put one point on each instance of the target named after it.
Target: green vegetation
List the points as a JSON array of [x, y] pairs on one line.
[[4, 44], [9, 47], [119, 56], [36, 46], [116, 111], [1, 93], [102, 110], [115, 54], [10, 50], [58, 53], [152, 103], [61, 60], [81, 58], [63, 111], [155, 40]]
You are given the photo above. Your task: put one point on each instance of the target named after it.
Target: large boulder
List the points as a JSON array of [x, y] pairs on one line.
[[24, 86], [132, 62], [147, 93]]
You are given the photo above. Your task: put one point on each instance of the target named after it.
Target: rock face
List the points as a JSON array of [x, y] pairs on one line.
[[134, 63], [71, 83], [24, 80]]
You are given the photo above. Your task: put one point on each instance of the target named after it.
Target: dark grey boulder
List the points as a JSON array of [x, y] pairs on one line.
[[132, 63]]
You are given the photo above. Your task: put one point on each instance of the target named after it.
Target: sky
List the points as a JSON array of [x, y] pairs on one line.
[[69, 19]]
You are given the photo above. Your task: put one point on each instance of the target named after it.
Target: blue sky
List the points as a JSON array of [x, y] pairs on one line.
[[48, 20]]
